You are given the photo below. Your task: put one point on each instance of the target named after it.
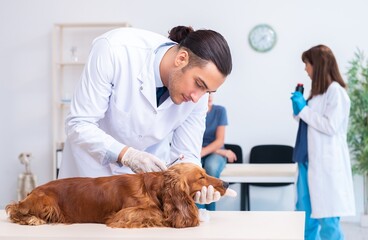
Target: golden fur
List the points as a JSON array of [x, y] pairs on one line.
[[154, 199]]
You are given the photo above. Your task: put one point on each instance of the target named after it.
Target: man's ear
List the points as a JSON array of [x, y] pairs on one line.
[[182, 58]]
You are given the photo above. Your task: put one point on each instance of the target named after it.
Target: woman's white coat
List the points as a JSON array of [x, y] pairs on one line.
[[329, 168]]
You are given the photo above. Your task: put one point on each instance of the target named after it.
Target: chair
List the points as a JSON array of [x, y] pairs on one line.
[[269, 154], [239, 156], [237, 150]]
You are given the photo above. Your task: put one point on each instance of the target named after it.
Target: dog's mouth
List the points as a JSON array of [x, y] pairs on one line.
[[228, 192]]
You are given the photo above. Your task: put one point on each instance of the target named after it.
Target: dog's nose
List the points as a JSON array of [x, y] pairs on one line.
[[225, 184]]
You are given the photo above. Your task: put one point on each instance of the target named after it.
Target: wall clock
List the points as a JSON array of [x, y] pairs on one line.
[[262, 38]]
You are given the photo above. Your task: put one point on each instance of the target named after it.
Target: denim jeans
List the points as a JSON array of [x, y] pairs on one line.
[[213, 164], [315, 228]]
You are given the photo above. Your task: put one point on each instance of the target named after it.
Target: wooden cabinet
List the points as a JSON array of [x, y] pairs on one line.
[[70, 49]]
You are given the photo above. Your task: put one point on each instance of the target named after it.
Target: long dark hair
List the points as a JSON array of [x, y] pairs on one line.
[[203, 46], [325, 69]]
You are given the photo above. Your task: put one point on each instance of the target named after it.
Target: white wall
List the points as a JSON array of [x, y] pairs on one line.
[[256, 94]]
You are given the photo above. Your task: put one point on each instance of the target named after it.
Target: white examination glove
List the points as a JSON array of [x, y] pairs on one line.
[[140, 161], [207, 195]]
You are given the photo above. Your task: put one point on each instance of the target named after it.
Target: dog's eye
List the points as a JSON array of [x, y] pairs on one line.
[[201, 177]]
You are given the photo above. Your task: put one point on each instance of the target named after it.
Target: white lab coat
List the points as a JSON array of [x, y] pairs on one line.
[[114, 105], [329, 168]]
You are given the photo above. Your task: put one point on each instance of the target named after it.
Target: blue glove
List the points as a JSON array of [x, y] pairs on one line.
[[295, 108], [298, 102]]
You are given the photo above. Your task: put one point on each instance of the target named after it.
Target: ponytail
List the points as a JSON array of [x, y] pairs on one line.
[[207, 45]]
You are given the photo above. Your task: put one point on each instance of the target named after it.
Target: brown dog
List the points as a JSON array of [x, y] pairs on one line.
[[154, 199]]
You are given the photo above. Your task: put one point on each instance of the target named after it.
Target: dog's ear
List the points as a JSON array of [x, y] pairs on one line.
[[179, 208]]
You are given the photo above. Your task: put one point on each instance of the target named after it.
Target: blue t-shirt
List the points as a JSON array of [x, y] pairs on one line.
[[216, 117]]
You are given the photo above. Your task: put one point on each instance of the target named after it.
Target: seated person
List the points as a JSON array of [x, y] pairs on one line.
[[214, 155]]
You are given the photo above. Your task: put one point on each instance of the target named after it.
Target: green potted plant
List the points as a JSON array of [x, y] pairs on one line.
[[358, 126]]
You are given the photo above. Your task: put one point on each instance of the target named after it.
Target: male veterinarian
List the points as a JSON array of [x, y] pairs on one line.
[[117, 123]]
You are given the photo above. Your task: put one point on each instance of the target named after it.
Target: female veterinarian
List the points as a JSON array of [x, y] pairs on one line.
[[117, 123], [324, 186]]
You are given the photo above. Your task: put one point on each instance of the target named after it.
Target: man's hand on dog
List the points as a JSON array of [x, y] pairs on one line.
[[140, 161]]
